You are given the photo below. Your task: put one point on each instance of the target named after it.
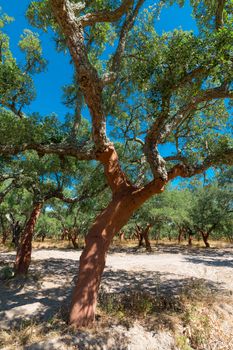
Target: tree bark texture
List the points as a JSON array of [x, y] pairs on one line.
[[23, 256], [190, 238], [92, 260]]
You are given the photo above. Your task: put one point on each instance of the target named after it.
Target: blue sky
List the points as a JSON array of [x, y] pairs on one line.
[[59, 71]]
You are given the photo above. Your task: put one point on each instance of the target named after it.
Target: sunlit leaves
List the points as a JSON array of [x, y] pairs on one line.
[[16, 84], [30, 44], [39, 14], [29, 130]]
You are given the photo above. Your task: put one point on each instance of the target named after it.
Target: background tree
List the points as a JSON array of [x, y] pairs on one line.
[[212, 210]]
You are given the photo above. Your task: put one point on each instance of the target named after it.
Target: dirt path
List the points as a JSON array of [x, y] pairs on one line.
[[212, 265], [167, 270]]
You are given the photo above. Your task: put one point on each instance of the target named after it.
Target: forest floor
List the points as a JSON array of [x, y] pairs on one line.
[[174, 298]]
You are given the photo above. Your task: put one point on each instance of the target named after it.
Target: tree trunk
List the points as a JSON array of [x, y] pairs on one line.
[[64, 234], [23, 257], [73, 234], [190, 240], [4, 237], [126, 199], [16, 231], [157, 238], [205, 236], [92, 260], [4, 231], [180, 235], [140, 239], [146, 238]]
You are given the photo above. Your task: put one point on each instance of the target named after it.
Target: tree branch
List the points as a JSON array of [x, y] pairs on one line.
[[157, 163], [105, 16], [219, 14], [61, 149], [204, 96], [6, 191], [77, 116], [186, 170], [116, 178], [90, 84], [63, 198], [127, 26]]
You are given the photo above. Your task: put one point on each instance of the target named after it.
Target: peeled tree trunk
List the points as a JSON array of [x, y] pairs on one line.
[[92, 260], [23, 256], [190, 239]]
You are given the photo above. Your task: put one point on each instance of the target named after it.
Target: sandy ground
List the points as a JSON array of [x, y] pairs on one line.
[[167, 270]]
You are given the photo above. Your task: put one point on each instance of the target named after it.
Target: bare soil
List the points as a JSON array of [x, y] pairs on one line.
[[168, 271]]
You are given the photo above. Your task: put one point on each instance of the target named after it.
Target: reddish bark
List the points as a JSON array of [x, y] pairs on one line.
[[190, 239], [23, 257], [92, 260]]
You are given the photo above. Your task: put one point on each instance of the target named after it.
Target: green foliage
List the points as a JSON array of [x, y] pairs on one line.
[[212, 210], [30, 45], [205, 11], [29, 130], [16, 84], [39, 14]]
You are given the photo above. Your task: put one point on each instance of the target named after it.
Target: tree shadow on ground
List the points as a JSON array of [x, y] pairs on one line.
[[192, 250], [211, 261], [49, 285], [62, 249], [174, 249]]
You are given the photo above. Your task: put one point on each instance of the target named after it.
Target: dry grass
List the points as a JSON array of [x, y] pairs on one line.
[[191, 317], [29, 332], [52, 244], [59, 244], [129, 243]]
